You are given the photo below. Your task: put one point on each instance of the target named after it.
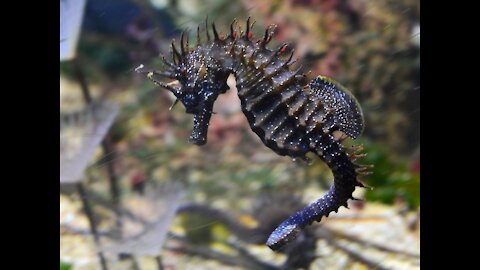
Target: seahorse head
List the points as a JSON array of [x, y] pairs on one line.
[[202, 79]]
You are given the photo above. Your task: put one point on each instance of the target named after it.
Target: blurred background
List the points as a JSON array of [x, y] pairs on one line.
[[135, 195]]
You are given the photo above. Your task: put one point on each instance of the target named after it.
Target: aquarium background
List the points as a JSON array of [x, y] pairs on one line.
[[153, 201]]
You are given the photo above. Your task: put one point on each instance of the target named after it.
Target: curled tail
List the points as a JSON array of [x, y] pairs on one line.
[[348, 118], [346, 177]]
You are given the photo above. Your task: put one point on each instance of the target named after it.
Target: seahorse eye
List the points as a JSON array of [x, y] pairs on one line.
[[190, 101], [207, 90]]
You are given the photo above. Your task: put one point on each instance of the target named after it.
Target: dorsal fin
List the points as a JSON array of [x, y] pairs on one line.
[[347, 113]]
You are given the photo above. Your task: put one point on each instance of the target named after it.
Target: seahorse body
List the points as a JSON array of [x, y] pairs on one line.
[[289, 117]]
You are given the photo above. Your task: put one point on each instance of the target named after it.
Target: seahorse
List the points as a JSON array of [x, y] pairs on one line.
[[290, 117]]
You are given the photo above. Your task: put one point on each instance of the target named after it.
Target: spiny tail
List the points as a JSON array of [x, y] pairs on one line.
[[346, 177]]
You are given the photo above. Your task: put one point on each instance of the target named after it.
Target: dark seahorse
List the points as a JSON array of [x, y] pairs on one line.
[[290, 117]]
